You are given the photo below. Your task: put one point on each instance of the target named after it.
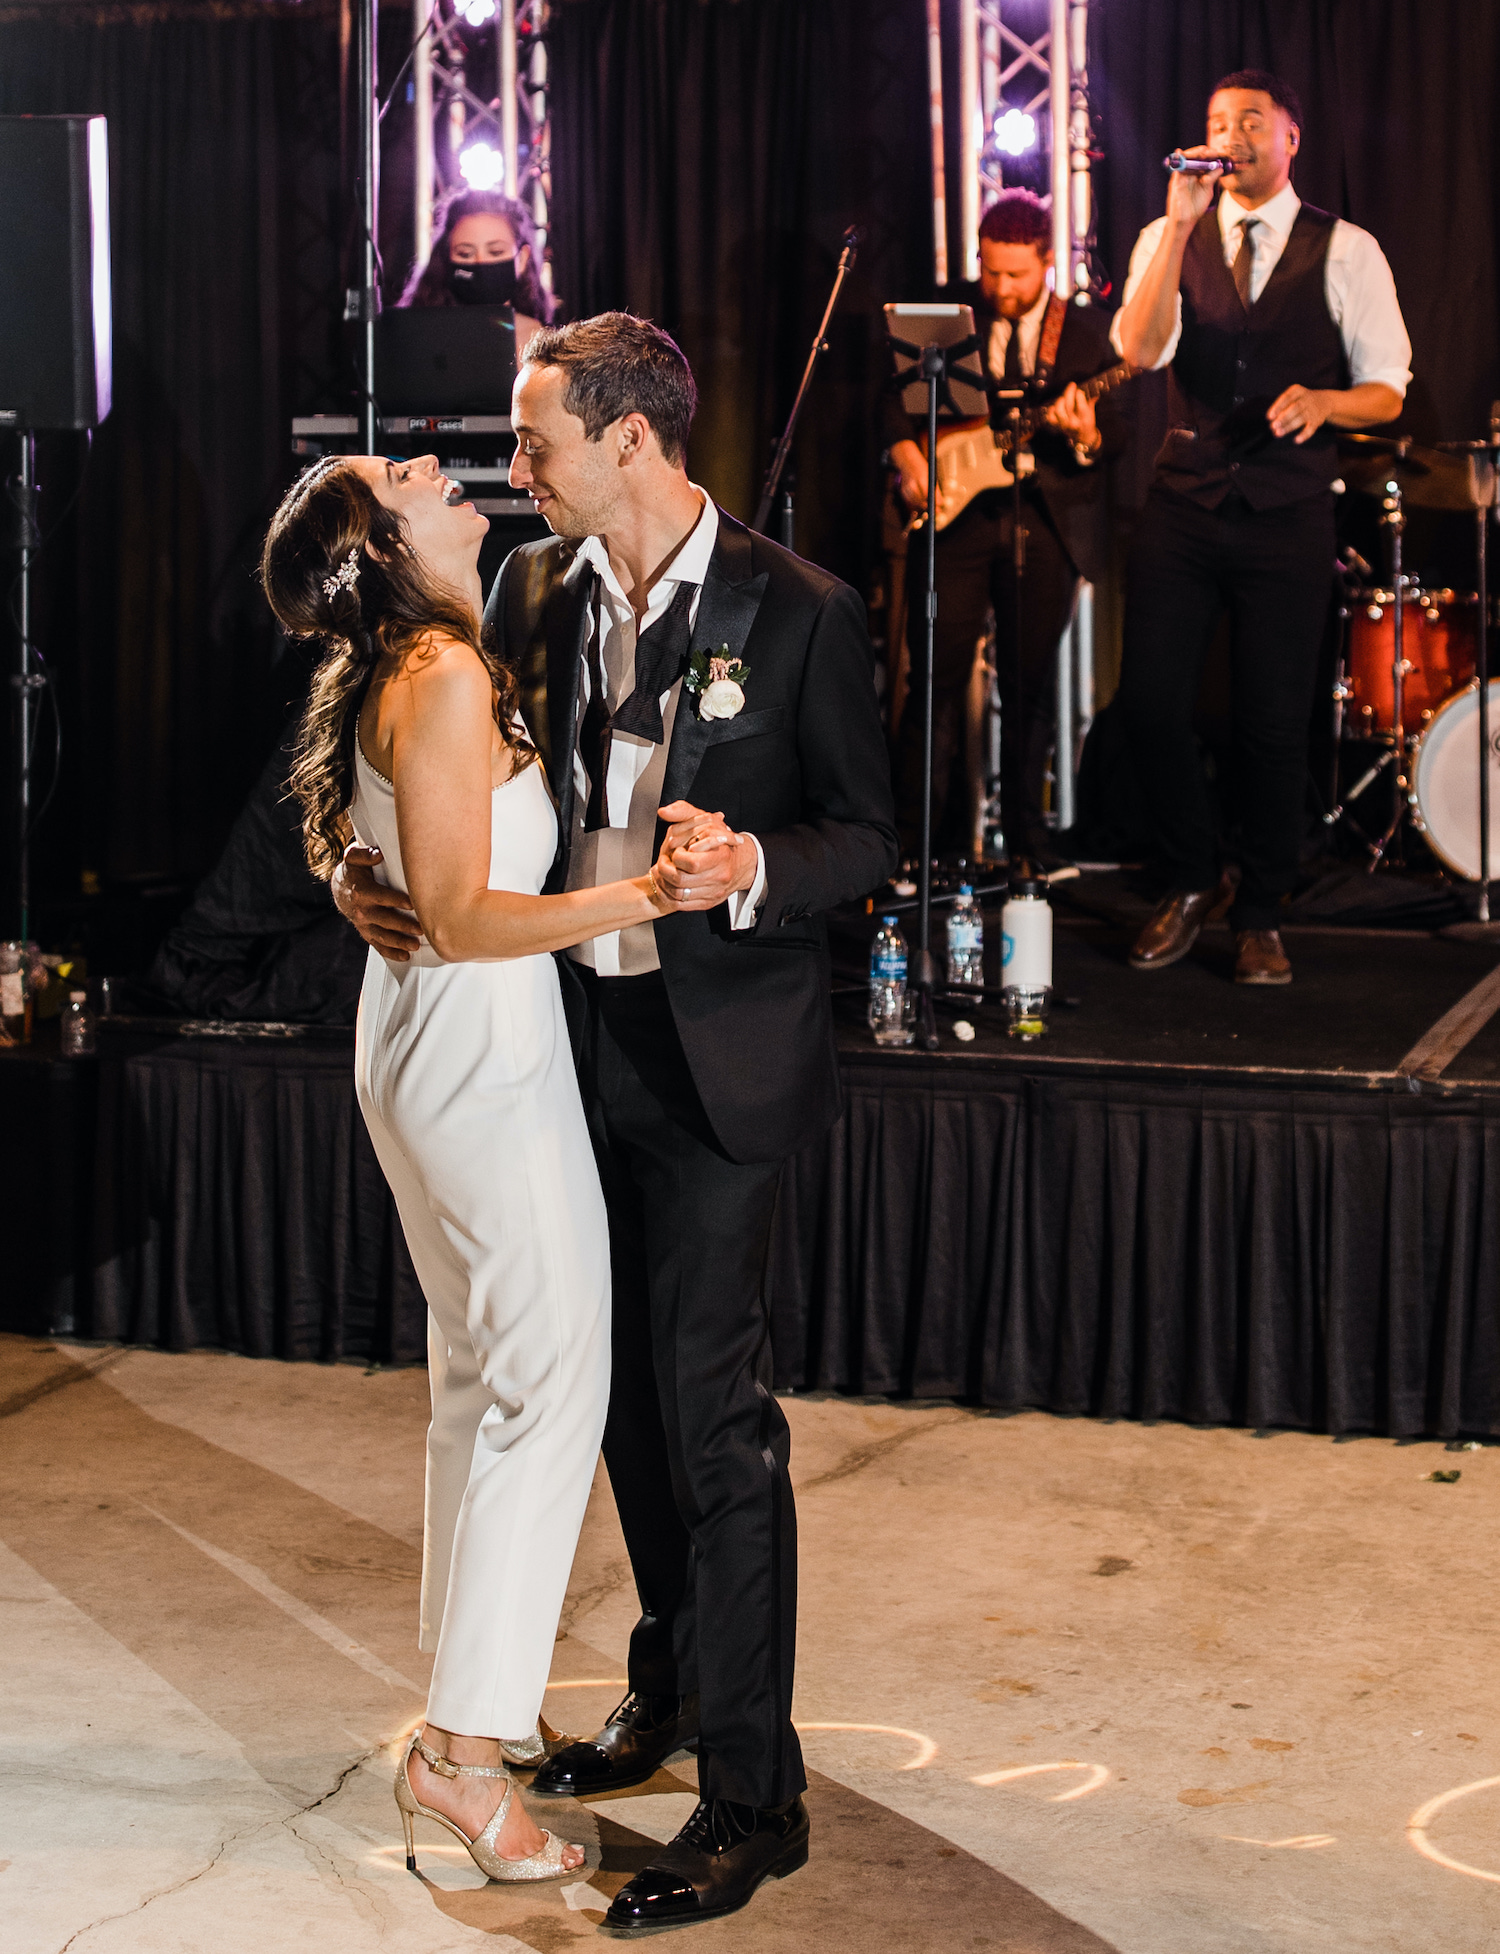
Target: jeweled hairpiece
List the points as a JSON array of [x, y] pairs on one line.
[[345, 577]]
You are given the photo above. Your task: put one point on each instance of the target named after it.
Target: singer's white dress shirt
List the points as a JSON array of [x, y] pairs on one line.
[[632, 789], [1357, 285]]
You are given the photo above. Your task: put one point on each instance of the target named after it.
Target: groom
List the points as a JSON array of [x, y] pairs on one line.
[[692, 685]]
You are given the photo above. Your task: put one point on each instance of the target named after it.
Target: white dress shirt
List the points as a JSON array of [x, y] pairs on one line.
[[1357, 285], [632, 788]]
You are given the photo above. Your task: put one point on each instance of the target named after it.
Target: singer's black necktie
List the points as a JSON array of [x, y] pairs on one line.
[[1244, 261], [661, 658]]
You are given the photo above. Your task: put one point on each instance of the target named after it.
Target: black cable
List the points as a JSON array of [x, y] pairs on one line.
[[411, 55]]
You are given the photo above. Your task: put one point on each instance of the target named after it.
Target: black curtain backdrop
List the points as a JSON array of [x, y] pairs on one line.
[[707, 156], [229, 238]]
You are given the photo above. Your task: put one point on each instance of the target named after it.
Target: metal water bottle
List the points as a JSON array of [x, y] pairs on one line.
[[1026, 952]]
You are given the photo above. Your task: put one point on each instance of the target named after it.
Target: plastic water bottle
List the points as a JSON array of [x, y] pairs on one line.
[[965, 942], [1026, 961], [888, 1018], [77, 1027]]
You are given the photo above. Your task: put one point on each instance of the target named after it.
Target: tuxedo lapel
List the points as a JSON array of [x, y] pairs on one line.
[[726, 612], [566, 618]]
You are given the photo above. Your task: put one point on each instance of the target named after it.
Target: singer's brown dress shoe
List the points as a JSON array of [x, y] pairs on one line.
[[1175, 923], [1260, 959]]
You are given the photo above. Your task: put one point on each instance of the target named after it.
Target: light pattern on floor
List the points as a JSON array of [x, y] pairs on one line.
[[1417, 1824], [926, 1748], [1098, 1775]]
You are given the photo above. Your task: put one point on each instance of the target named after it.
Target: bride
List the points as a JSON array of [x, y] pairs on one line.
[[465, 1078]]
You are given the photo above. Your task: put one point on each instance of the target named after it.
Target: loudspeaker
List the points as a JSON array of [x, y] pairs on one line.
[[54, 289]]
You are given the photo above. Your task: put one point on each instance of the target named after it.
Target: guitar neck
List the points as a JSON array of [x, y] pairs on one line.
[[1112, 376]]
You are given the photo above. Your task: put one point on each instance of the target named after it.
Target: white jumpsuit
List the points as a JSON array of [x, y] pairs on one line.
[[466, 1081]]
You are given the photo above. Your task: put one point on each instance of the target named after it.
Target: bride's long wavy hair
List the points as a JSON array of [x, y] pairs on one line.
[[331, 521]]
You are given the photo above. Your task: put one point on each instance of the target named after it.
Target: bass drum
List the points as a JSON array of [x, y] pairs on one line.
[[1445, 782]]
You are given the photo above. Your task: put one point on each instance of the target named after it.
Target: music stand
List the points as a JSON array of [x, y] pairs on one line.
[[937, 366]]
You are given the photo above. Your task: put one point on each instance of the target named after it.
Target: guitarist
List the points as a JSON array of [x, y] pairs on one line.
[[1025, 336]]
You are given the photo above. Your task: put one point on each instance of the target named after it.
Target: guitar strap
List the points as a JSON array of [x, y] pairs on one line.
[[1047, 343]]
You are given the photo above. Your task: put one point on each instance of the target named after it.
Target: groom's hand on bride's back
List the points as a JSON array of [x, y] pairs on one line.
[[385, 919]]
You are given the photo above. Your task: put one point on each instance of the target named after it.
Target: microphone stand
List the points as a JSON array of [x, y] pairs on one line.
[[937, 365], [784, 445], [1015, 845]]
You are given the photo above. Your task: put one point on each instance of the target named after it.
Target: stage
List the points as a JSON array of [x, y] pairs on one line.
[[1273, 1208]]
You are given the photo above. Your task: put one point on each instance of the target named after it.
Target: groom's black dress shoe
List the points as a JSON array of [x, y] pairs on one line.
[[640, 1735], [713, 1866]]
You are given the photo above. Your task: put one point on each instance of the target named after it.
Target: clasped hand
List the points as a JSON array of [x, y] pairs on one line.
[[702, 862]]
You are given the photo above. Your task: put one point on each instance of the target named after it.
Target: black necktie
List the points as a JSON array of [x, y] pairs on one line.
[[1014, 373], [1244, 261], [661, 657]]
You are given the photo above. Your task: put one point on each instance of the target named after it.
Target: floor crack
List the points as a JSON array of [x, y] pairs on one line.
[[865, 1455], [177, 1886], [233, 1838]]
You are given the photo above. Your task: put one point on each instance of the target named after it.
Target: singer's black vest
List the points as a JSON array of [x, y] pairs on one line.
[[1231, 364]]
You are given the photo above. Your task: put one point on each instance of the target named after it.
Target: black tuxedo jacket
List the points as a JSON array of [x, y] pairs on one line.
[[803, 768], [1069, 489]]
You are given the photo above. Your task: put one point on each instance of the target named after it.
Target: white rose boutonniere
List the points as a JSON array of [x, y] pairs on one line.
[[719, 683]]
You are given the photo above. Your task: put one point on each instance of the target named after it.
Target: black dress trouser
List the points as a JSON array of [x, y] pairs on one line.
[[1273, 570], [696, 1445], [975, 569]]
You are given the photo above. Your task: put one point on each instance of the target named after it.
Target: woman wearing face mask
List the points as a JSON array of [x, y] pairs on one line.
[[484, 254]]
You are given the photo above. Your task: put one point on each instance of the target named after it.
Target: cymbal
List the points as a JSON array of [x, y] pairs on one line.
[[1429, 478]]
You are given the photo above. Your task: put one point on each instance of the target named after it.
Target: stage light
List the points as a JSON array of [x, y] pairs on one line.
[[483, 167], [1015, 131], [477, 12]]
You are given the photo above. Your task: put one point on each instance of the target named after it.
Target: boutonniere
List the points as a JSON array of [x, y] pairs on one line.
[[719, 684]]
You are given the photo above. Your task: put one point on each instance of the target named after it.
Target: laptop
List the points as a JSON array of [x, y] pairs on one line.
[[445, 359]]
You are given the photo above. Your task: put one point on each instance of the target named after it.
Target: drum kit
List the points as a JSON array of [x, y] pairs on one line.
[[1412, 680]]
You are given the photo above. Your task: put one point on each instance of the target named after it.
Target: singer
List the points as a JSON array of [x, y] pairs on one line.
[[1279, 324]]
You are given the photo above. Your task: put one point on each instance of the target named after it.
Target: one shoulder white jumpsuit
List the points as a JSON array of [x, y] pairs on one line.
[[466, 1081]]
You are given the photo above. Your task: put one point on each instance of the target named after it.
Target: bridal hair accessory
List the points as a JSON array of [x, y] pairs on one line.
[[345, 577], [719, 683]]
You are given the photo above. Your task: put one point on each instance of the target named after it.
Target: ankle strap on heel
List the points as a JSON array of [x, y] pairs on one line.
[[445, 1768]]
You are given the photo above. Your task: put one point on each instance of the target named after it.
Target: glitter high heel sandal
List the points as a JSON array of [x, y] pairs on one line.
[[546, 1864], [525, 1753]]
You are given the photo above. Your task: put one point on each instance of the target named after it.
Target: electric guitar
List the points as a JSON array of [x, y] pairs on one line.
[[972, 455]]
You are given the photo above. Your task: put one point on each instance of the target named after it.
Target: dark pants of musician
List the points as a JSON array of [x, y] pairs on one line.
[[1273, 571], [696, 1445], [975, 569]]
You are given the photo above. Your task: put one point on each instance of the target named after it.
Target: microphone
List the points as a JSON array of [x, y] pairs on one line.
[[1181, 165]]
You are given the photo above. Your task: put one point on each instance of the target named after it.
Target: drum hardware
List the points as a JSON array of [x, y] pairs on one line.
[[1413, 672], [1482, 461]]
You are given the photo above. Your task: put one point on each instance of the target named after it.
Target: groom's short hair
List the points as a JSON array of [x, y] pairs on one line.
[[617, 364]]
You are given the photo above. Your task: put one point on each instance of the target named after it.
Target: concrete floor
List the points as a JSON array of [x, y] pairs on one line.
[[1063, 1685]]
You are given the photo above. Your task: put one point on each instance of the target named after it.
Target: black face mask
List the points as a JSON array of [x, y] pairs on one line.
[[487, 284]]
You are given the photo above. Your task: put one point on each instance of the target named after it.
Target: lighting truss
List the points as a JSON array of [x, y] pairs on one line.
[[1046, 78], [450, 116]]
